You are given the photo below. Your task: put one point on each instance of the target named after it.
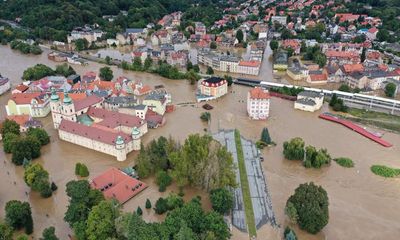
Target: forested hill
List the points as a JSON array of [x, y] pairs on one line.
[[53, 19]]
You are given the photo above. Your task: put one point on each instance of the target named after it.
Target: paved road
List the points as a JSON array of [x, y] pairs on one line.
[[261, 199]]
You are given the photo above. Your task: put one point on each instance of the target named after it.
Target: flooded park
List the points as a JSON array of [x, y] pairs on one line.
[[361, 204]]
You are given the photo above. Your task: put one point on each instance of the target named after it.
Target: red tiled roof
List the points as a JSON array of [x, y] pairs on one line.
[[259, 93], [87, 102], [373, 30], [112, 119], [250, 63], [341, 54], [22, 88], [24, 98], [20, 119], [318, 77], [348, 68], [117, 185], [94, 133]]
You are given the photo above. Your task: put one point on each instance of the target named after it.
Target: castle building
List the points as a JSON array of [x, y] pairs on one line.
[[87, 124]]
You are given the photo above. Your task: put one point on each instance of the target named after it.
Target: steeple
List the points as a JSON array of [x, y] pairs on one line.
[[67, 99], [54, 96]]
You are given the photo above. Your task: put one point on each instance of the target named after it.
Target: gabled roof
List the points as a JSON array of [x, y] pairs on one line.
[[114, 184], [87, 102], [112, 119], [24, 98], [91, 132]]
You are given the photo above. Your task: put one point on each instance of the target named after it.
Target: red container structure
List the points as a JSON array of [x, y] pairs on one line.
[[355, 128]]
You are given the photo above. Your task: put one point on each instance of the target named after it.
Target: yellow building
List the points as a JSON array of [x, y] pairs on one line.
[[33, 104], [213, 87]]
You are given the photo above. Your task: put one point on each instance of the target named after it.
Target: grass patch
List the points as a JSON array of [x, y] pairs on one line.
[[385, 171], [344, 162], [248, 206]]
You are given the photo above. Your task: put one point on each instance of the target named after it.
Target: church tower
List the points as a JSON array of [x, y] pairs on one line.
[[55, 106]]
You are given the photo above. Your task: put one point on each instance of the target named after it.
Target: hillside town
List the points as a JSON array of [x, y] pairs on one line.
[[200, 120]]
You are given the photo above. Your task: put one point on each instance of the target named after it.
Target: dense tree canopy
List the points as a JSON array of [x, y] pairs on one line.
[[311, 204], [62, 16], [40, 134], [82, 199], [49, 234], [294, 149], [221, 200], [37, 178], [19, 215], [25, 148], [9, 126]]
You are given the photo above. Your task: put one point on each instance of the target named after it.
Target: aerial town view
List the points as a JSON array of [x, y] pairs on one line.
[[200, 119]]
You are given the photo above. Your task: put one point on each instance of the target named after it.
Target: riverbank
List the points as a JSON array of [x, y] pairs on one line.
[[362, 205]]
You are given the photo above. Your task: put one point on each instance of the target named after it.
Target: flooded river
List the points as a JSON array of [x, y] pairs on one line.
[[362, 205]]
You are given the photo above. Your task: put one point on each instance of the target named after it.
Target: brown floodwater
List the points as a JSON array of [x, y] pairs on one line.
[[362, 205]]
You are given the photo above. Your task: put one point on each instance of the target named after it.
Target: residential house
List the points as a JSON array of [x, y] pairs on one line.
[[317, 77], [309, 101], [156, 102]]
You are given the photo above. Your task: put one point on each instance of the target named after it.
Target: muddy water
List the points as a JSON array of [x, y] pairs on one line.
[[362, 205]]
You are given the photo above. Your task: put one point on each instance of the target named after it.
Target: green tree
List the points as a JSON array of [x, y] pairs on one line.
[[37, 72], [163, 180], [189, 66], [213, 45], [49, 234], [192, 77], [137, 64], [25, 148], [161, 206], [9, 140], [221, 200], [139, 211], [311, 204], [185, 233], [390, 90], [81, 170], [289, 234], [205, 116], [343, 88], [174, 201], [81, 44], [108, 60], [215, 223], [265, 137], [106, 73], [64, 70], [291, 212], [148, 204], [274, 45], [40, 134], [147, 63], [239, 35], [229, 79], [37, 179], [6, 232], [101, 221], [294, 149], [22, 237], [196, 68], [9, 126], [19, 215], [81, 200], [78, 168], [210, 71]]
